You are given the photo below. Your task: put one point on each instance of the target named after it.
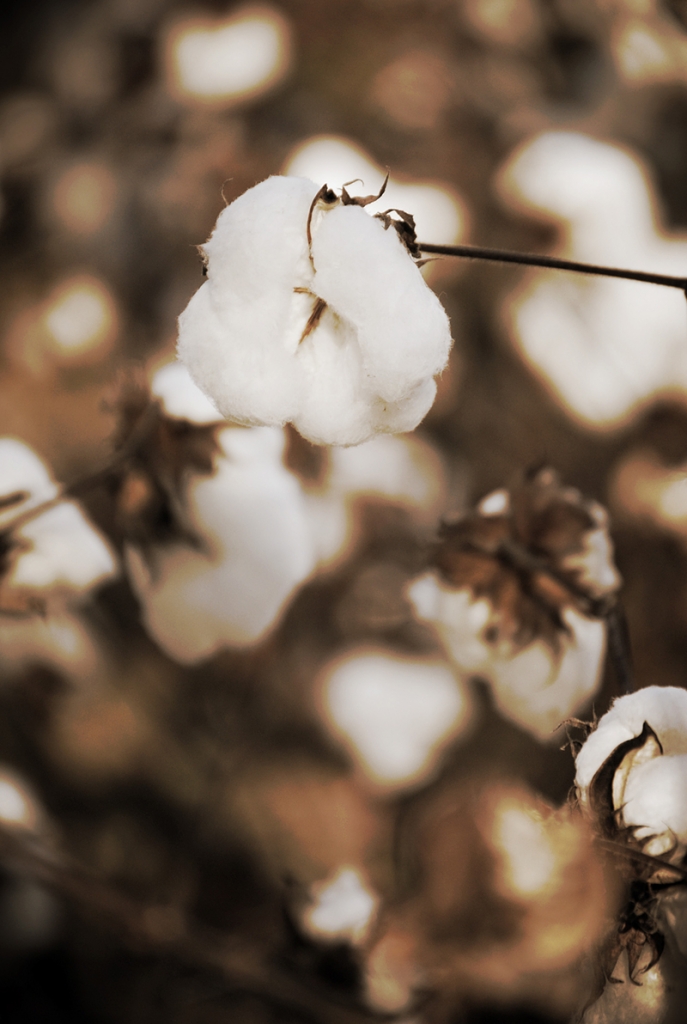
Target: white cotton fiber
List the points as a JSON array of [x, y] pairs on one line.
[[58, 550], [365, 367], [533, 686], [250, 518], [606, 347], [664, 708], [395, 714], [58, 557]]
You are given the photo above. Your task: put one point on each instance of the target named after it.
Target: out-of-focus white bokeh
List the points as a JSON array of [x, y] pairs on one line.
[[394, 714], [220, 62], [342, 907], [606, 348]]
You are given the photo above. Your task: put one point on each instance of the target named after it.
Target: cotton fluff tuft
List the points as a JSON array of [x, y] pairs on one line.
[[536, 687], [366, 366], [49, 562], [255, 543], [618, 344], [56, 550]]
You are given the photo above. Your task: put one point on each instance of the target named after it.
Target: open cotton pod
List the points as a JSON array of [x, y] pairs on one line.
[[314, 313], [516, 595], [51, 558], [242, 542], [632, 770]]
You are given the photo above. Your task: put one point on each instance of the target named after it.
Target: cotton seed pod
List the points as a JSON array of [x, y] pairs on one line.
[[638, 756], [315, 314], [517, 594]]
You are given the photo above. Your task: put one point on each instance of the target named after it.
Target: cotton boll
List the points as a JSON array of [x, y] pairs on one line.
[[64, 553], [23, 476], [51, 559], [342, 907], [664, 708], [255, 550], [618, 344], [535, 686], [54, 550], [394, 714], [337, 333]]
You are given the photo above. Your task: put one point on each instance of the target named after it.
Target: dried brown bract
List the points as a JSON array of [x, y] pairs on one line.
[[154, 454], [532, 552]]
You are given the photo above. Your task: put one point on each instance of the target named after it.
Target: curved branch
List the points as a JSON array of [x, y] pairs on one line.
[[477, 252]]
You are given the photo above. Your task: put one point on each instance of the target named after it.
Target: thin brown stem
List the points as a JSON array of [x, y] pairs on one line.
[[477, 252], [242, 962]]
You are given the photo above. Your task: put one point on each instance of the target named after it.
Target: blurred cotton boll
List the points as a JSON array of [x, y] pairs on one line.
[[440, 213], [253, 538], [49, 561], [536, 687], [342, 907], [516, 595], [222, 62], [606, 348], [642, 487], [401, 470], [313, 313], [395, 714]]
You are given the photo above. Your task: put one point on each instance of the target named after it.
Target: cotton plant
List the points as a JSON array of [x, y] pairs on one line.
[[240, 542], [606, 347], [631, 783], [315, 313], [517, 594], [51, 559]]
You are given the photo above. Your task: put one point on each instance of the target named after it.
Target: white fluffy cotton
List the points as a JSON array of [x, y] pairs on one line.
[[534, 686], [180, 398], [58, 551], [395, 714], [56, 556], [653, 800], [368, 365], [606, 347], [250, 517]]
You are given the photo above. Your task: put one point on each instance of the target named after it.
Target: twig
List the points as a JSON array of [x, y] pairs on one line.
[[477, 252]]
